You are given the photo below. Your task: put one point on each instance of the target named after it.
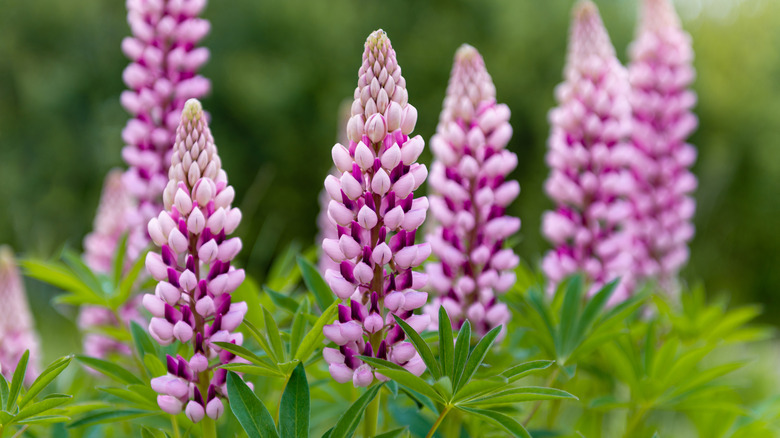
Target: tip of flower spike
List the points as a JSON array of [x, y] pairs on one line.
[[588, 36], [193, 110], [466, 53], [657, 15], [378, 39], [6, 257]]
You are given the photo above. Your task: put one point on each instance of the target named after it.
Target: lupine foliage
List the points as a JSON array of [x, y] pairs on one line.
[[601, 347]]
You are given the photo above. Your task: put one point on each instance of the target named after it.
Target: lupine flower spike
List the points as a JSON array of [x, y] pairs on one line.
[[590, 157], [17, 329], [468, 176], [192, 301], [661, 73], [99, 250], [376, 216], [161, 77]]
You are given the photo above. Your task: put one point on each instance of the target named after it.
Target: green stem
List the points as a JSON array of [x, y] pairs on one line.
[[175, 427], [538, 404], [209, 427], [438, 421], [637, 418], [371, 418]]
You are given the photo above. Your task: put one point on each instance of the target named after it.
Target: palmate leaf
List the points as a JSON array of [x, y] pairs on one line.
[[313, 339], [446, 344], [421, 347], [250, 412], [404, 377], [461, 354], [59, 275], [109, 369], [518, 395], [42, 406], [43, 380], [16, 381], [477, 355]]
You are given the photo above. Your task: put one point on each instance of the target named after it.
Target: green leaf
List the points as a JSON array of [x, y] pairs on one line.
[[142, 340], [314, 338], [462, 345], [112, 416], [478, 355], [479, 387], [46, 377], [521, 394], [60, 276], [250, 412], [275, 339], [595, 306], [82, 271], [570, 315], [298, 326], [45, 419], [48, 403], [241, 351], [314, 282], [253, 370], [3, 390], [281, 299], [109, 369], [261, 339], [16, 381], [421, 347], [135, 395], [119, 259], [517, 372], [125, 287], [295, 409], [348, 422], [510, 424], [403, 377], [154, 365], [446, 344], [393, 433]]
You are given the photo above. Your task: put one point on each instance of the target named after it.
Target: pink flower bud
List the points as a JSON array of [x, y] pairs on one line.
[[169, 404]]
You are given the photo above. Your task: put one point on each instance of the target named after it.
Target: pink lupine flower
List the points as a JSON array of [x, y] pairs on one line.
[[192, 301], [161, 77], [590, 157], [326, 228], [468, 176], [99, 250], [376, 216], [17, 329], [661, 73]]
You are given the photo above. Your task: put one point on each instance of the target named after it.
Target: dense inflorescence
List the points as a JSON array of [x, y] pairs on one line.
[[192, 301], [590, 155], [161, 77], [468, 176], [376, 215], [660, 73], [17, 329]]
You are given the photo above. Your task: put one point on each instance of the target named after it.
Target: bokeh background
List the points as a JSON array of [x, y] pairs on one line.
[[281, 69]]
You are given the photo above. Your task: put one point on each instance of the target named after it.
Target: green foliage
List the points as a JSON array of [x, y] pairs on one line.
[[456, 388], [24, 408]]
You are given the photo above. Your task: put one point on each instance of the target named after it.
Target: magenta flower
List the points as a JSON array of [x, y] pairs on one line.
[[468, 176], [192, 301], [17, 329], [590, 157], [376, 216], [161, 77], [99, 250], [661, 73]]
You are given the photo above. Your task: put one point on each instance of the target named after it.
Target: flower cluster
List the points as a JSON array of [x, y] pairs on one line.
[[376, 214], [99, 250], [17, 330], [192, 301], [590, 155], [660, 73], [468, 176], [161, 77]]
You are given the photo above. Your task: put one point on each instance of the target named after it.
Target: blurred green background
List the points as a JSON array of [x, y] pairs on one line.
[[280, 70]]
